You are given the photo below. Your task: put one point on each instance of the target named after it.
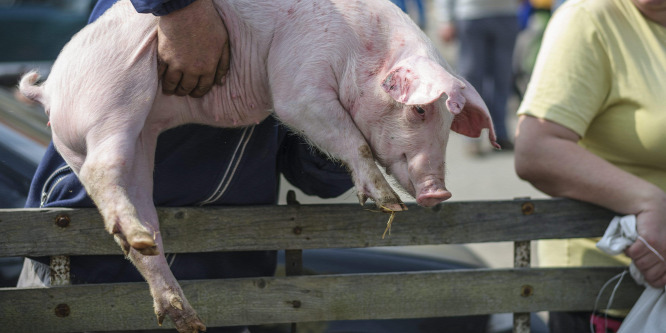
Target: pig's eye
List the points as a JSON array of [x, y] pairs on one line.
[[417, 114], [420, 112]]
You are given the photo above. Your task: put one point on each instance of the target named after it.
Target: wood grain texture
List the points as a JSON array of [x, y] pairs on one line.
[[268, 300], [316, 298], [33, 232]]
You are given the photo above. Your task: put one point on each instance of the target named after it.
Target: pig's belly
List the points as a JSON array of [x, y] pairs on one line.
[[218, 108]]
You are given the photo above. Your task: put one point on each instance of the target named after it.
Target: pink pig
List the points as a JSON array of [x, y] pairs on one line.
[[357, 78]]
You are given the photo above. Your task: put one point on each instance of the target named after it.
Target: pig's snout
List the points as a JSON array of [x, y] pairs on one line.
[[431, 195], [426, 175]]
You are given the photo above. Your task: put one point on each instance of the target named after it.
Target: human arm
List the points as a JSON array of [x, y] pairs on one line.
[[446, 29], [193, 45], [311, 171], [548, 156], [447, 32]]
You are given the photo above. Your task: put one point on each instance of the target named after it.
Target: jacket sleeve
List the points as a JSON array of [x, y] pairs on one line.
[[159, 7], [156, 7], [309, 170]]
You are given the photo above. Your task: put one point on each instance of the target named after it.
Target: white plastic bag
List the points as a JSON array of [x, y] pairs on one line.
[[648, 315]]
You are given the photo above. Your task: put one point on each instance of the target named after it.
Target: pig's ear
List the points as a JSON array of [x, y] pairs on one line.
[[419, 81], [415, 81], [474, 116]]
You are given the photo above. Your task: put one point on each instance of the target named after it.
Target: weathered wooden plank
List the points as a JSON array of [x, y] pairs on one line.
[[316, 298], [34, 231]]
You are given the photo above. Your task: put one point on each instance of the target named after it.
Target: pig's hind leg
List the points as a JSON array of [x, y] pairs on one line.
[[118, 175], [328, 126], [107, 176]]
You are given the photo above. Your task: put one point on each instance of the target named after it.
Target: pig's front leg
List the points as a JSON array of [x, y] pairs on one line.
[[117, 173], [327, 125]]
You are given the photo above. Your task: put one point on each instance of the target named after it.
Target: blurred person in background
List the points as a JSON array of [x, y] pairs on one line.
[[533, 18], [486, 31], [421, 18]]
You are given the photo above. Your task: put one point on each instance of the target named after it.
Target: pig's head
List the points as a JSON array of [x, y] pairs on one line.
[[406, 117]]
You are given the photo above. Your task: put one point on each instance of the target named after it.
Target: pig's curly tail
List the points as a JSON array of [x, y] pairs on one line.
[[29, 89]]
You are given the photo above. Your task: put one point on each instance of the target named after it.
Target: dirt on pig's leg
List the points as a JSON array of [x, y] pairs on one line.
[[120, 181], [106, 175], [328, 126], [168, 297]]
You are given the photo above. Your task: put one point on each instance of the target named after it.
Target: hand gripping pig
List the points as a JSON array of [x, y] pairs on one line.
[[357, 78]]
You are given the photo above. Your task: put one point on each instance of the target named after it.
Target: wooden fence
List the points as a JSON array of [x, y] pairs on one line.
[[293, 299]]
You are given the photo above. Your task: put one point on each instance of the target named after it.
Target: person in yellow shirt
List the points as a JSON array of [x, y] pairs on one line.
[[592, 127]]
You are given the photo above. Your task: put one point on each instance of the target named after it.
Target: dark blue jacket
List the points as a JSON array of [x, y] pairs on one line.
[[159, 7], [199, 165]]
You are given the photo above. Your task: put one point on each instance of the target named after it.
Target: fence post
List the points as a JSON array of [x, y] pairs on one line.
[[293, 259], [59, 270], [521, 259], [59, 265]]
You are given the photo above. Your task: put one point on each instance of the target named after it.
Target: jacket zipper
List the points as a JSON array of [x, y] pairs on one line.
[[51, 183], [221, 188], [231, 168]]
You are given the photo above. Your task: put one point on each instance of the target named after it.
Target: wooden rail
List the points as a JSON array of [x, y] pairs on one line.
[[252, 301]]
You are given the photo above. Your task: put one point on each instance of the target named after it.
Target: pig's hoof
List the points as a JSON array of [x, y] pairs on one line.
[[184, 318], [393, 207], [362, 198], [388, 203], [149, 251], [144, 243]]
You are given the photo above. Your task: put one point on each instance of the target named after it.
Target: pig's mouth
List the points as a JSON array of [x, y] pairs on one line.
[[428, 190]]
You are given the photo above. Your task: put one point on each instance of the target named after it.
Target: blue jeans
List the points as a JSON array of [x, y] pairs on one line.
[[486, 52]]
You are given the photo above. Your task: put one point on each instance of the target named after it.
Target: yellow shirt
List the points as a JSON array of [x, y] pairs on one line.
[[601, 72]]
